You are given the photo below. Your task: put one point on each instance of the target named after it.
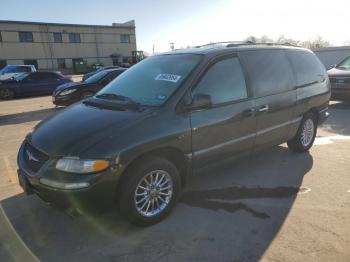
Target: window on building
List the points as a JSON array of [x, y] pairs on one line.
[[231, 86], [125, 38], [61, 63], [3, 63], [57, 37], [74, 37], [31, 62], [25, 36]]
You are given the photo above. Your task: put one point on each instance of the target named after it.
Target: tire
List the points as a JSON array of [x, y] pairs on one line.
[[85, 95], [130, 192], [6, 93], [306, 134]]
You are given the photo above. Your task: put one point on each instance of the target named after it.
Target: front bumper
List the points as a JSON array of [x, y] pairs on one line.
[[100, 194]]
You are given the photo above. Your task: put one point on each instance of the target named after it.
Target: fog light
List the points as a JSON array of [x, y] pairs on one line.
[[61, 185]]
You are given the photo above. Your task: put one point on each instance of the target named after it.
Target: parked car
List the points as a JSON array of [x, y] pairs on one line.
[[87, 75], [133, 144], [69, 93], [31, 84], [339, 76], [11, 71]]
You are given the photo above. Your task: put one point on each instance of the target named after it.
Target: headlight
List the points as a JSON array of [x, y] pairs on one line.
[[67, 92], [81, 166]]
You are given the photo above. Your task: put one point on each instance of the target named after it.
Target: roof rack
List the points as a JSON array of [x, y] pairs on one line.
[[241, 43]]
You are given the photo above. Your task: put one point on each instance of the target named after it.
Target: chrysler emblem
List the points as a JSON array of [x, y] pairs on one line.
[[31, 157]]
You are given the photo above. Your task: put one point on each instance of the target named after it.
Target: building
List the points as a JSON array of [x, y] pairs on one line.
[[332, 55], [54, 46]]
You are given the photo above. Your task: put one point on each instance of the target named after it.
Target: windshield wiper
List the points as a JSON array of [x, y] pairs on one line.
[[128, 100]]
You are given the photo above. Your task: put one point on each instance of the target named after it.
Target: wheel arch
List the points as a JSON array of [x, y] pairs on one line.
[[172, 154]]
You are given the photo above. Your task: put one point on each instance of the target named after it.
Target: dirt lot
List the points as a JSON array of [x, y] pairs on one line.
[[275, 206]]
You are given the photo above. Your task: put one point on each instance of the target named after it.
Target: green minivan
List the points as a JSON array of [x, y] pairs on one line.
[[133, 144]]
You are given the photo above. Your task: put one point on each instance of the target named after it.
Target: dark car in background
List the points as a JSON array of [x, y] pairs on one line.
[[87, 75], [31, 84], [133, 144], [339, 76], [69, 93]]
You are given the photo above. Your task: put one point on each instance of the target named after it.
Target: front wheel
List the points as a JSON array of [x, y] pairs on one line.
[[149, 191], [306, 134], [6, 93]]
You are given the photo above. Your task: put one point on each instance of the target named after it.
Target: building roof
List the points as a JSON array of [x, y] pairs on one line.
[[128, 24]]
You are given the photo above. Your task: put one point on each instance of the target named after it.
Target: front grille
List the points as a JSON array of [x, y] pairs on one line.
[[34, 158]]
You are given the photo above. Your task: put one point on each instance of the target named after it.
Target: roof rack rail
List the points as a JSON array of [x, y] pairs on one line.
[[240, 43]]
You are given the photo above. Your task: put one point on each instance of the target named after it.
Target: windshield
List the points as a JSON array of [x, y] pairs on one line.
[[21, 76], [15, 69], [96, 77], [345, 63], [152, 81]]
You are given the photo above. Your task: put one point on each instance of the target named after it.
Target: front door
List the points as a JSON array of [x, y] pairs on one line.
[[228, 127]]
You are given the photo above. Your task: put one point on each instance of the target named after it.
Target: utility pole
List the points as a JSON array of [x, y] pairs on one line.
[[172, 45]]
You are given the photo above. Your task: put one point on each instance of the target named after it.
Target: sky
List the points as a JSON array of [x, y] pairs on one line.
[[188, 23]]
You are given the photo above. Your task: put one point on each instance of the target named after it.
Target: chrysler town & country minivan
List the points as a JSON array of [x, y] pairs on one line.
[[133, 144]]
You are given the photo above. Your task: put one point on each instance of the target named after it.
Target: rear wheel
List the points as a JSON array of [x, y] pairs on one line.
[[6, 93], [306, 134], [149, 191]]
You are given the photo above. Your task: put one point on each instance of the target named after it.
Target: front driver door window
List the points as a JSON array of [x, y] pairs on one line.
[[228, 127]]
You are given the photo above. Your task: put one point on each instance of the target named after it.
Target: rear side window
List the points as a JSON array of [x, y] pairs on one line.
[[269, 71], [307, 67], [224, 82]]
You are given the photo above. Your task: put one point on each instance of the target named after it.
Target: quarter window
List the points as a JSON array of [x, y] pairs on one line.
[[224, 82], [125, 38], [74, 37], [307, 67], [57, 37], [25, 36]]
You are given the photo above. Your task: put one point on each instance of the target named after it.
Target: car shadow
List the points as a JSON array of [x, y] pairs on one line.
[[232, 212], [338, 122], [20, 118]]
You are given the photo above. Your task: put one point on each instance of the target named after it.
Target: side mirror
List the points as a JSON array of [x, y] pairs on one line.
[[200, 101]]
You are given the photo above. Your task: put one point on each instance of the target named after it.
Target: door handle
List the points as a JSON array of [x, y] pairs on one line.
[[263, 108]]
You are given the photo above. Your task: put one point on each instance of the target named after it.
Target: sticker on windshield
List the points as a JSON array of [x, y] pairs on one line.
[[168, 77]]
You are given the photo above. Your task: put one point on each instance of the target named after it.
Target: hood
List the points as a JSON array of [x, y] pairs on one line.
[[80, 126], [71, 85], [8, 76], [338, 72]]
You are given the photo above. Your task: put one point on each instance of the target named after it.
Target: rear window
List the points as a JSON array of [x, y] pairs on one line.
[[269, 71], [307, 67]]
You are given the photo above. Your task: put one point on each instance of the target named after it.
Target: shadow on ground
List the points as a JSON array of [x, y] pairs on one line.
[[229, 213], [24, 117]]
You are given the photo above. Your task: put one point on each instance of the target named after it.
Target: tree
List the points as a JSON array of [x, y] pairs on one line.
[[316, 43]]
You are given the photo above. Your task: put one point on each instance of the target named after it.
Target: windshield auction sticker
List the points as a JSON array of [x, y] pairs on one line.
[[168, 77]]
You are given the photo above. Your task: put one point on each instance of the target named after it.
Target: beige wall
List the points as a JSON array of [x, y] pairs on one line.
[[97, 43]]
